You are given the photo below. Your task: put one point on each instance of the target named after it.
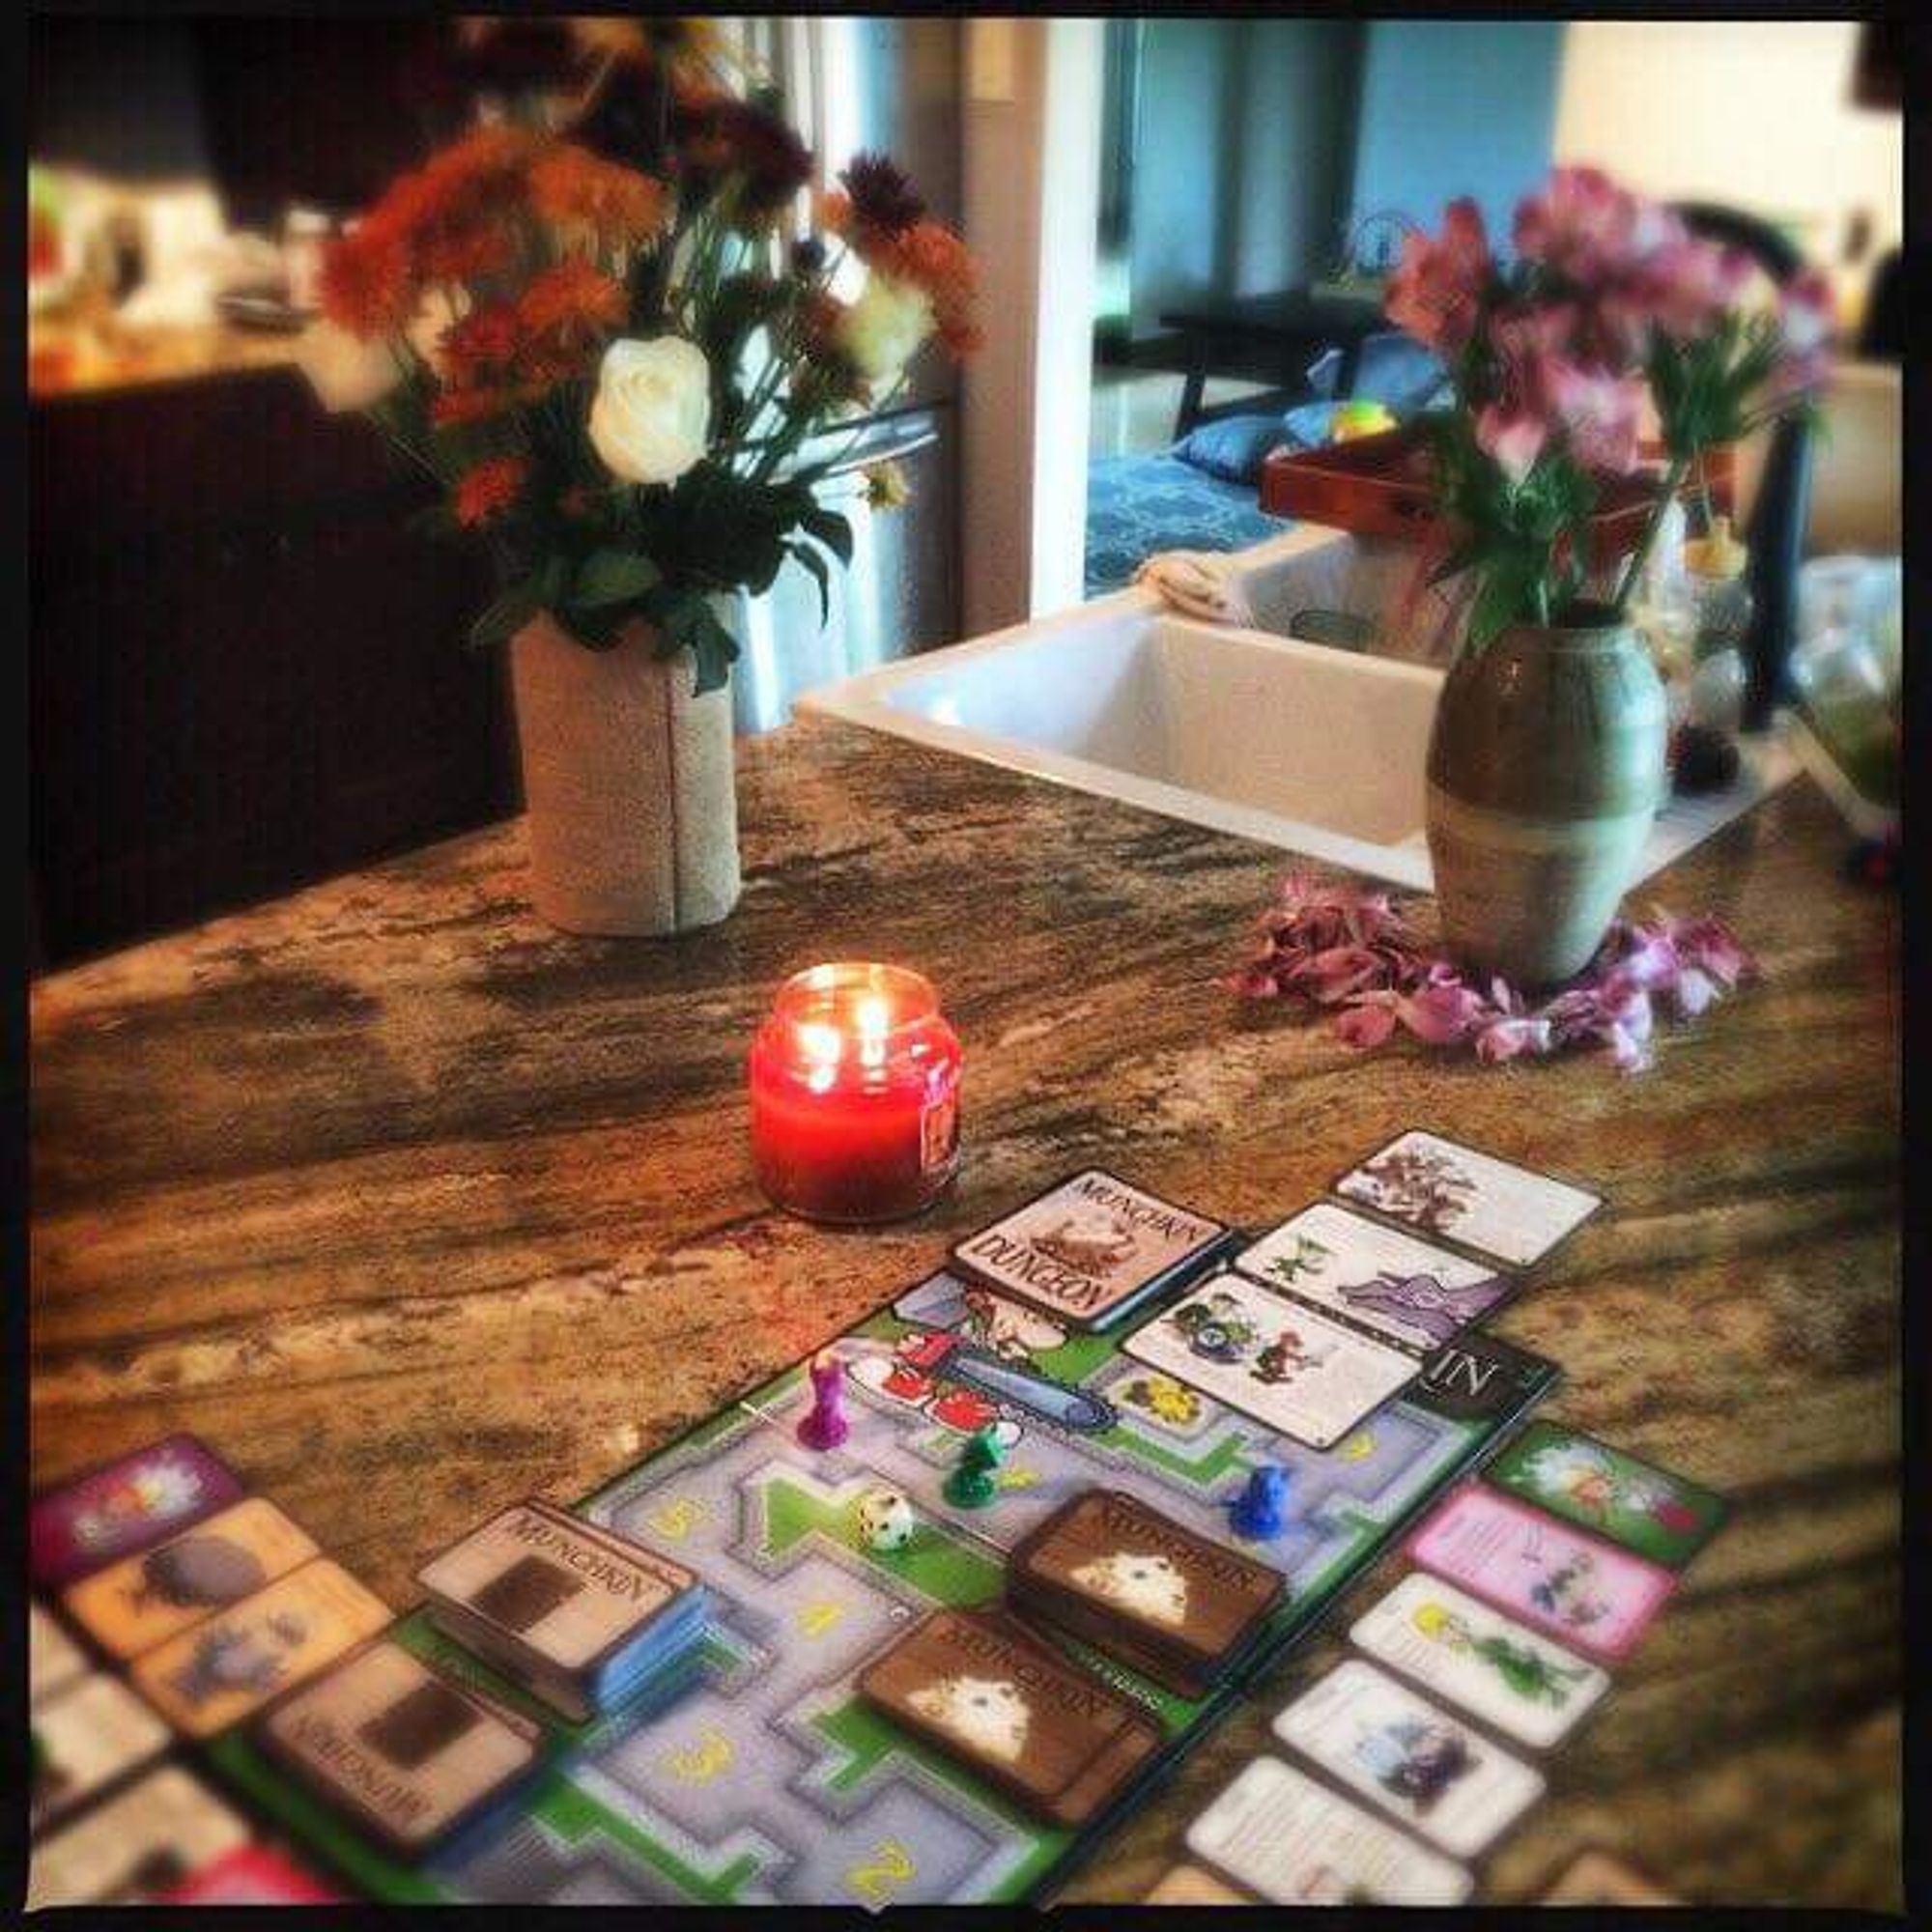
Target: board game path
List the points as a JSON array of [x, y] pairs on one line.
[[407, 1204]]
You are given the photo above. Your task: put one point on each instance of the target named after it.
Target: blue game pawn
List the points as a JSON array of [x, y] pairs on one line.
[[1258, 1513]]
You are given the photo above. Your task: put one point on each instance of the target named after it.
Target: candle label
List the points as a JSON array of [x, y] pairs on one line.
[[1088, 1250], [939, 1132]]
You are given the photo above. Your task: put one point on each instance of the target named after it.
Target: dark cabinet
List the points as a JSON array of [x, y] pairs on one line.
[[247, 665]]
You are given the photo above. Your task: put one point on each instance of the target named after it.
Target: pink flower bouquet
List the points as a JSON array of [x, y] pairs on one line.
[[1606, 303]]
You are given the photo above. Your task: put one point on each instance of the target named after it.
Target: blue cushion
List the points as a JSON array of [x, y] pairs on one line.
[[1309, 425], [1231, 447]]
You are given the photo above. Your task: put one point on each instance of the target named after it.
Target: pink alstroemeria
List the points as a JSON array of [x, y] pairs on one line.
[[1600, 413], [1506, 1039], [1687, 288], [1438, 286], [1368, 1023], [1513, 440], [1583, 225], [1442, 1013], [1808, 323]]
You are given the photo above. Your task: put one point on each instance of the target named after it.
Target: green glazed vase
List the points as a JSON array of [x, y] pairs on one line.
[[1546, 772]]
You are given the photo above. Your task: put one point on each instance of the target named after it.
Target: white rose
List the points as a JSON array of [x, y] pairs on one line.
[[345, 372], [652, 413], [883, 330]]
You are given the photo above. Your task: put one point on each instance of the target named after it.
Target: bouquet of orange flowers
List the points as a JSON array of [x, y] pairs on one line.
[[605, 324]]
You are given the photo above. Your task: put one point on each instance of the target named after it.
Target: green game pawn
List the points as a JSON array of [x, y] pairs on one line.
[[971, 1485]]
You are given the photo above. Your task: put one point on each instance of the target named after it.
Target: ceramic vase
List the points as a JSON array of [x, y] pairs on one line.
[[1546, 772], [627, 785]]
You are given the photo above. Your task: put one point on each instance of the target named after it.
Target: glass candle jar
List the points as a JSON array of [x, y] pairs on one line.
[[855, 1095]]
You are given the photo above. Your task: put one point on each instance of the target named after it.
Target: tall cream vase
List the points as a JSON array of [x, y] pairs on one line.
[[628, 783]]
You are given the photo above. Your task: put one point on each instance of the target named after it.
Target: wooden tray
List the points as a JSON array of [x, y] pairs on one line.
[[1379, 486]]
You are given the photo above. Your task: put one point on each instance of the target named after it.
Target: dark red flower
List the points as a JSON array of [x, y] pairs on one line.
[[882, 198], [719, 139]]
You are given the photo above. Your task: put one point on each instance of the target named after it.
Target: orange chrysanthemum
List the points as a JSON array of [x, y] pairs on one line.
[[570, 185], [936, 259], [367, 285], [565, 314], [483, 345], [486, 491]]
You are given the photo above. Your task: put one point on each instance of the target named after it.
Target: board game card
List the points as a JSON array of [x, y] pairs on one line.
[[53, 1658], [1413, 1295], [123, 1506], [1190, 1885], [1414, 1760], [95, 1732], [1090, 1250], [1632, 1503], [1467, 1652], [132, 1847], [1552, 1577], [142, 1601], [1134, 1583], [1292, 1841], [577, 1613], [222, 1669], [1295, 1370], [407, 1754], [252, 1875], [1478, 1376], [1596, 1877], [975, 1684], [1471, 1198]]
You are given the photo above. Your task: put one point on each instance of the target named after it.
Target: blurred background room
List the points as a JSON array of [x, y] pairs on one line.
[[246, 662]]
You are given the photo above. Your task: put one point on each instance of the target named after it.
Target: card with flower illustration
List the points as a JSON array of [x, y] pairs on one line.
[[1632, 1503], [1417, 1295], [1556, 1580], [1473, 1199], [1471, 1656]]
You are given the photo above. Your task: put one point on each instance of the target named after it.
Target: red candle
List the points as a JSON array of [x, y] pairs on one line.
[[855, 1095]]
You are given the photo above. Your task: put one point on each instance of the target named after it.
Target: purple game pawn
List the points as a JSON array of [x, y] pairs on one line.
[[826, 1426]]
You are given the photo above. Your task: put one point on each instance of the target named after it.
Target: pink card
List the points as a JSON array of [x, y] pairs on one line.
[[127, 1505], [1555, 1578]]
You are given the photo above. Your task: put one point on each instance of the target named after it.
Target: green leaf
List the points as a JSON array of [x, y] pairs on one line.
[[821, 574], [831, 529], [613, 577], [517, 605], [713, 649], [1500, 603]]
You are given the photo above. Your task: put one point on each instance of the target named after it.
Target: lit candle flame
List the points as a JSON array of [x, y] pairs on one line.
[[873, 1023]]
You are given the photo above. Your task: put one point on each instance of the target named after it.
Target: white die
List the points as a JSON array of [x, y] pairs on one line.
[[885, 1520]]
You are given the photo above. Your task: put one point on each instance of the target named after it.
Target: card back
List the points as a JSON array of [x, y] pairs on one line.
[[123, 1506], [1138, 1571], [981, 1689], [566, 1590]]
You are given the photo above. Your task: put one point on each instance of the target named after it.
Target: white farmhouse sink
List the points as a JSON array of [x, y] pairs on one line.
[[1301, 746]]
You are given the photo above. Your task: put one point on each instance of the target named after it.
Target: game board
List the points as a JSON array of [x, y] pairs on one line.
[[760, 1778]]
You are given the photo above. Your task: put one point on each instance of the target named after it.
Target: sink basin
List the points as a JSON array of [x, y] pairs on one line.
[[1297, 744]]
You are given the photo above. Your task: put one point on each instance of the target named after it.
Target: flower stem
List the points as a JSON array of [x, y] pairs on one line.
[[1673, 481]]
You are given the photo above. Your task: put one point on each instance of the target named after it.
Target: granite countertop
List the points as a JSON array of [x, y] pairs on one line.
[[405, 1201]]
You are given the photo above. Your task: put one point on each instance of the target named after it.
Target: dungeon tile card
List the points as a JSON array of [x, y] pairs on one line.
[[231, 1664], [1292, 1841], [975, 1685], [1411, 1758], [144, 1600], [1090, 1250]]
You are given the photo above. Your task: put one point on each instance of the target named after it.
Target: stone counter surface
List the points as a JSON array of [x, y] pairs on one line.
[[407, 1204]]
